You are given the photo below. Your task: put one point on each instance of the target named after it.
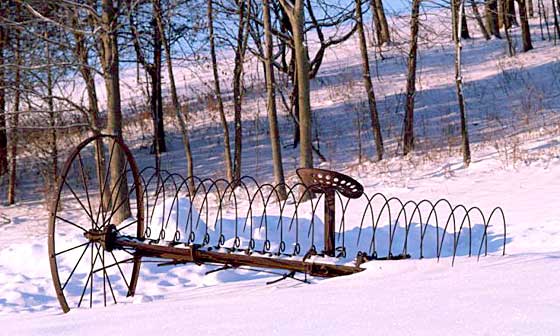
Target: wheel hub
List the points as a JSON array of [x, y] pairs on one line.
[[105, 236]]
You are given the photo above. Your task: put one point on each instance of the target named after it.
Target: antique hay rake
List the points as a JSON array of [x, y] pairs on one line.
[[109, 217]]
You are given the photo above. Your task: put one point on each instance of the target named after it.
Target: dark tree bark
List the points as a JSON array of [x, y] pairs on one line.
[[80, 51], [111, 76], [492, 18], [508, 14], [218, 92], [14, 124], [181, 119], [464, 26], [3, 124], [52, 176], [525, 30], [380, 21], [153, 70], [408, 137], [555, 8], [376, 128], [458, 7], [479, 20], [157, 98], [240, 48]]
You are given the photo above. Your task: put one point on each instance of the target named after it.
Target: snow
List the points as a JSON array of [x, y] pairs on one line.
[[518, 294], [516, 165]]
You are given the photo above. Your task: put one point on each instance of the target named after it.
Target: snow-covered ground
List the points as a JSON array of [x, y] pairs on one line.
[[518, 294], [513, 107]]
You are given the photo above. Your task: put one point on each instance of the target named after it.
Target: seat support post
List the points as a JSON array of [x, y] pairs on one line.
[[330, 222]]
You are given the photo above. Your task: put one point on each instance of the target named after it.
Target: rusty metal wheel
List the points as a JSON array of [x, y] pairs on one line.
[[99, 188]]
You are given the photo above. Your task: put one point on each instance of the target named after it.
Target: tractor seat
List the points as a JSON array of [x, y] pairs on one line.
[[323, 181]]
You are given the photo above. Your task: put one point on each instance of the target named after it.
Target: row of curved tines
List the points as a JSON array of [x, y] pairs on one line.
[[160, 186]]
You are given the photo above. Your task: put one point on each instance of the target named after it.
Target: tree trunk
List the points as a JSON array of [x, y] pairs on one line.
[[479, 20], [464, 26], [525, 30], [382, 28], [271, 105], [3, 124], [302, 66], [556, 23], [297, 20], [408, 137], [376, 128], [110, 63], [492, 18], [530, 8], [52, 176], [14, 138], [508, 13], [238, 88], [540, 19], [376, 22], [157, 99], [175, 100], [507, 25], [81, 54], [457, 20], [218, 93]]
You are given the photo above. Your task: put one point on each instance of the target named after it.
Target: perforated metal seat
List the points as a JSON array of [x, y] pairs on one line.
[[323, 181]]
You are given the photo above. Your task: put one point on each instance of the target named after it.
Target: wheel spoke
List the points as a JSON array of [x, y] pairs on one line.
[[123, 202], [90, 276], [79, 201], [85, 186], [103, 184], [111, 288], [124, 261], [72, 248], [75, 267], [71, 223], [119, 184], [127, 225], [120, 270], [104, 274]]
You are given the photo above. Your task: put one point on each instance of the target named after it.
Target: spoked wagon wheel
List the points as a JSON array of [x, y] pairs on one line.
[[99, 195]]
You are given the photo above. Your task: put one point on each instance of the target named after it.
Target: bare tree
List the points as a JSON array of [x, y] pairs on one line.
[[82, 56], [380, 21], [295, 12], [110, 64], [408, 137], [479, 20], [14, 123], [457, 11], [175, 97], [525, 30], [465, 34], [492, 19], [153, 70], [271, 103], [555, 9], [376, 128], [3, 124], [218, 92], [240, 48]]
